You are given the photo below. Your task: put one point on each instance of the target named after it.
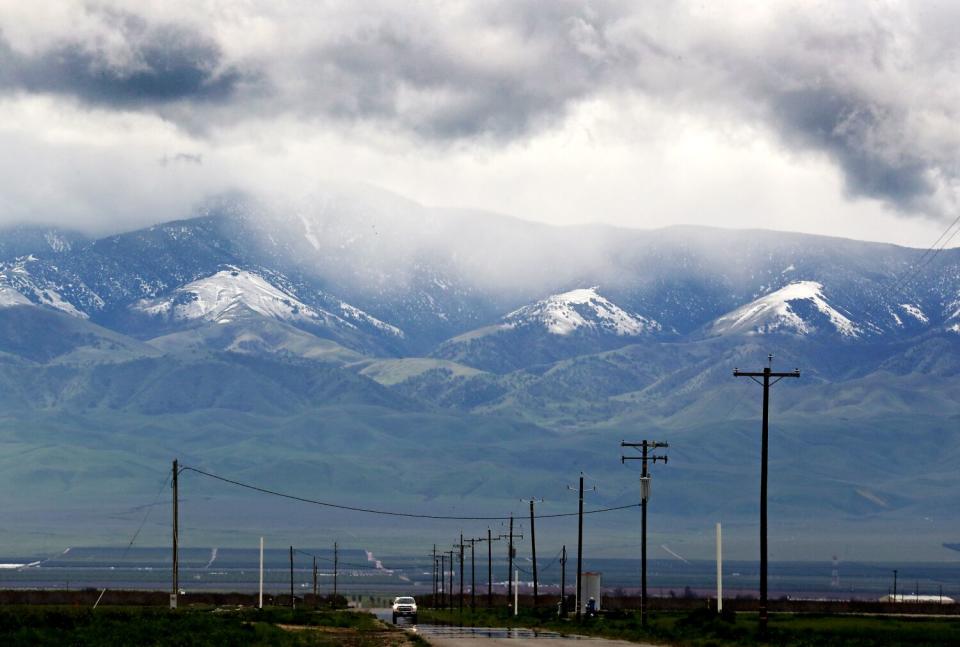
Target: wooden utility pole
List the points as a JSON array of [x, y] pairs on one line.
[[510, 556], [563, 581], [433, 600], [766, 375], [473, 574], [646, 447], [314, 581], [533, 551], [511, 553], [450, 580], [443, 581], [292, 603], [490, 540], [580, 548], [460, 547], [175, 594], [336, 568]]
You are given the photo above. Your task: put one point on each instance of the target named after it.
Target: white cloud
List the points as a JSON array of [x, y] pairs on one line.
[[836, 119]]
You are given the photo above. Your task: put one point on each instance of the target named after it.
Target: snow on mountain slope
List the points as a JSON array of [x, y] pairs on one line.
[[36, 289], [356, 314], [915, 312], [222, 297], [578, 311], [952, 315], [10, 297], [784, 311], [217, 297]]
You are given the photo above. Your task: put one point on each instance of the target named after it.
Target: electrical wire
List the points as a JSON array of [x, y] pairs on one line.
[[542, 569], [146, 516], [926, 258], [340, 563], [136, 534], [389, 513]]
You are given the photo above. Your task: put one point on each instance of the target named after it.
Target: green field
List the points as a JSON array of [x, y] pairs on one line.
[[704, 628], [37, 626]]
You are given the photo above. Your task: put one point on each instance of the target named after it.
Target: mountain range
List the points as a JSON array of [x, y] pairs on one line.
[[436, 359]]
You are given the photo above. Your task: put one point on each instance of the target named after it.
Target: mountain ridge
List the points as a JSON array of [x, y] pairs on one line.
[[488, 365]]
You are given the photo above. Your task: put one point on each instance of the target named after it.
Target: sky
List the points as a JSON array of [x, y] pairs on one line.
[[834, 118]]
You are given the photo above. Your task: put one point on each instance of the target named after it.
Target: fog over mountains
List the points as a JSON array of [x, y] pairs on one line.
[[435, 359]]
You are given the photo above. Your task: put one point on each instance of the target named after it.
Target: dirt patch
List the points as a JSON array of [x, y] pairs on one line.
[[347, 637]]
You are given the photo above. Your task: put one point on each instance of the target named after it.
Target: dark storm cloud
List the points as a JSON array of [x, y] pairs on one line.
[[161, 64], [845, 128]]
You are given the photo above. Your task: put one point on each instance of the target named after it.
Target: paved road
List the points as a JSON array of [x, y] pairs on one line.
[[444, 636]]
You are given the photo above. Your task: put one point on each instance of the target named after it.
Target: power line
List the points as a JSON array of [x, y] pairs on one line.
[[358, 566], [553, 562], [389, 513], [136, 534], [926, 258], [146, 516]]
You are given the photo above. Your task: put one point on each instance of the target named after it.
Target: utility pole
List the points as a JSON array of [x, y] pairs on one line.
[[473, 574], [443, 580], [450, 587], [175, 595], [433, 600], [646, 447], [490, 540], [314, 581], [293, 604], [563, 581], [460, 547], [580, 548], [767, 375], [437, 575], [473, 570], [511, 553], [894, 585], [510, 556], [533, 550], [489, 569], [336, 567]]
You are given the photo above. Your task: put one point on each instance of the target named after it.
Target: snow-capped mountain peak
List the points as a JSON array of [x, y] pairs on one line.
[[220, 296], [797, 308], [581, 310], [232, 292]]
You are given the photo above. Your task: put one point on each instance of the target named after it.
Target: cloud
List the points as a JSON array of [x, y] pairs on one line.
[[181, 158], [144, 65], [871, 89], [846, 129]]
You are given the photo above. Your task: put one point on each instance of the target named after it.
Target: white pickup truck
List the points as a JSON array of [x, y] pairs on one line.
[[404, 608]]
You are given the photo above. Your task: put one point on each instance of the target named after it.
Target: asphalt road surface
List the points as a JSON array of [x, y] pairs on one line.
[[445, 636]]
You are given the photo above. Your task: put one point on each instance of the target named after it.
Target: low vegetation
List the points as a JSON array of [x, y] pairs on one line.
[[56, 626], [704, 628]]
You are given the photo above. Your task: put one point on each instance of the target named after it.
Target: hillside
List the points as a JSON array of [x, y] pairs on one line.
[[390, 353]]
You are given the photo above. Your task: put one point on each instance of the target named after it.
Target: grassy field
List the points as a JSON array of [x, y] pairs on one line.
[[706, 629], [41, 626]]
